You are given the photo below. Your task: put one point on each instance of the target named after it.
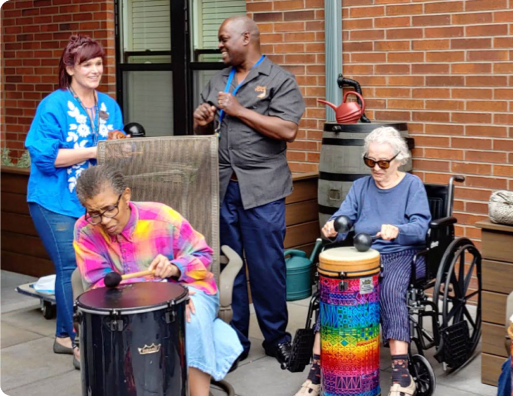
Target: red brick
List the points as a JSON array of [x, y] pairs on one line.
[[429, 141], [392, 115], [485, 156], [406, 81], [357, 24], [289, 27], [431, 20], [471, 118], [440, 93], [442, 32], [405, 57], [506, 68], [503, 119], [392, 92], [471, 143], [443, 154], [292, 37], [431, 116], [367, 34], [471, 68], [503, 170], [484, 81], [503, 16], [503, 42], [469, 168], [500, 55], [472, 93], [487, 182], [389, 22], [363, 12], [430, 44], [314, 25], [392, 69], [439, 166], [470, 19], [486, 130], [443, 81], [372, 57], [289, 5], [503, 145], [393, 34], [443, 6], [389, 46], [358, 46], [444, 129], [299, 15], [487, 30], [445, 105], [405, 104], [434, 68], [445, 56], [268, 17], [480, 5], [255, 7], [409, 9], [503, 94], [491, 106], [289, 48], [357, 69]]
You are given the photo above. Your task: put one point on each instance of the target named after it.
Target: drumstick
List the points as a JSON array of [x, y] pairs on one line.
[[112, 279]]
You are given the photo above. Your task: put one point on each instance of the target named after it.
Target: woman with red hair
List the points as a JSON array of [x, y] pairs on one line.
[[62, 142]]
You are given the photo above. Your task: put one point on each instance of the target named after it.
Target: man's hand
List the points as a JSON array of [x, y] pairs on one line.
[[229, 103], [190, 308], [329, 230], [204, 114], [163, 267], [388, 232]]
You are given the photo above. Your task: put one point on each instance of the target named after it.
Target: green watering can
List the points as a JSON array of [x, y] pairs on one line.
[[299, 272]]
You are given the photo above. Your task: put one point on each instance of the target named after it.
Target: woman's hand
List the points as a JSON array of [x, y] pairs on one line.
[[329, 230], [163, 267], [388, 232], [190, 308]]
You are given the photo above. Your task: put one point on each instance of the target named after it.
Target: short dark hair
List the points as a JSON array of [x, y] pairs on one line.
[[79, 49], [94, 179]]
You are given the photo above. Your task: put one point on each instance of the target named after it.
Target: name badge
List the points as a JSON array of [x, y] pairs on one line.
[[104, 115]]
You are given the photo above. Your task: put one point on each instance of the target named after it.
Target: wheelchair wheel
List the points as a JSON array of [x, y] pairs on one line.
[[458, 285], [423, 375]]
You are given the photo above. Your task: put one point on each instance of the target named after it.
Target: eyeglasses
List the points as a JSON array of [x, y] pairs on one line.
[[96, 217], [383, 164]]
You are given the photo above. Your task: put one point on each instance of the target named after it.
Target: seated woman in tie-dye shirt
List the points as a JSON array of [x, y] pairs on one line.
[[116, 234]]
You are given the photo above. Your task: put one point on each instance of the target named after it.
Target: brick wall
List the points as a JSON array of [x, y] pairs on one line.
[[34, 33], [444, 67], [292, 35]]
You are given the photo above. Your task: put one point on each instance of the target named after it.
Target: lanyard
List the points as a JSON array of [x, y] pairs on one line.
[[227, 89]]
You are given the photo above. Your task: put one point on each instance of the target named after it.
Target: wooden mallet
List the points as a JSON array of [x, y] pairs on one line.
[[113, 279]]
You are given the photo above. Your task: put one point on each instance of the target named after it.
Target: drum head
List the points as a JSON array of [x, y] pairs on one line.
[[132, 297]]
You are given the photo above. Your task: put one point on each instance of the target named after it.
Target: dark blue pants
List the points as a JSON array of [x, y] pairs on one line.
[[56, 232], [259, 232], [504, 386]]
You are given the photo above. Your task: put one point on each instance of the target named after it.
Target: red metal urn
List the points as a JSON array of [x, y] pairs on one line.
[[347, 113]]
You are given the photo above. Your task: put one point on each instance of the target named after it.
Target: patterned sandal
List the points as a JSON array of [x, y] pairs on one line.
[[309, 389]]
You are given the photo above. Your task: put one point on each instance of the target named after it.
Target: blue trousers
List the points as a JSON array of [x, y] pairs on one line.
[[56, 232], [259, 232], [504, 386]]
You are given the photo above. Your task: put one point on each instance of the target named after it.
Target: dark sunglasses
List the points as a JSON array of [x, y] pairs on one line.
[[383, 164]]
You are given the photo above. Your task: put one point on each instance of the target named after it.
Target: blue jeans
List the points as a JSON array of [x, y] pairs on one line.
[[504, 386], [56, 232], [259, 232]]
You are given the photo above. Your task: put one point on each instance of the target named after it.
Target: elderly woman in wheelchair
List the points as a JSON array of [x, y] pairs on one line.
[[393, 206], [116, 234]]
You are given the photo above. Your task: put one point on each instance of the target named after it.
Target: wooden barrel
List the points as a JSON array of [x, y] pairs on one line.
[[341, 161]]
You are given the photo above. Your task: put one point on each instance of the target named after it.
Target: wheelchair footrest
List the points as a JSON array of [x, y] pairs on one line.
[[301, 350], [454, 348]]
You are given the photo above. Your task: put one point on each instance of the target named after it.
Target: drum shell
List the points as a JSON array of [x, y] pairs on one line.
[[366, 265], [138, 353], [341, 163], [349, 326]]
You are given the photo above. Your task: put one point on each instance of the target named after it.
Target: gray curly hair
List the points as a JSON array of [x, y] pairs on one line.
[[94, 179], [390, 136]]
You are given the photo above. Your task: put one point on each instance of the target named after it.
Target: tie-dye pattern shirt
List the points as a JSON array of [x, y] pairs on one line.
[[153, 229]]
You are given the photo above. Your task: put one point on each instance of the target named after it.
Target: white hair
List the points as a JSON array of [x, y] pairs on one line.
[[390, 136]]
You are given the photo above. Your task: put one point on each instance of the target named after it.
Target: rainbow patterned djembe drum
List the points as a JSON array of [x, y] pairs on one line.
[[349, 318]]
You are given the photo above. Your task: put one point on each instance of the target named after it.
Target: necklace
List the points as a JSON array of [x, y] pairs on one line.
[[93, 116]]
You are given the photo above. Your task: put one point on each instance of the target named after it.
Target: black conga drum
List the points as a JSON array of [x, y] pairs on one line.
[[132, 340]]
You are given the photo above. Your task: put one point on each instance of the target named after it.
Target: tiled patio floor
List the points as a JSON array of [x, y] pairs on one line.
[[30, 368]]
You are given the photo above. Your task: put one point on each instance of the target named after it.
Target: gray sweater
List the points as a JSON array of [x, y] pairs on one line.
[[404, 206]]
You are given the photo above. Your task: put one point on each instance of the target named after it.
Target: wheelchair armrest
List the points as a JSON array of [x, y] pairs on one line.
[[227, 276], [443, 222]]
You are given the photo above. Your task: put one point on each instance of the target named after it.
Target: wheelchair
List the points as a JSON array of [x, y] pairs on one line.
[[448, 298]]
